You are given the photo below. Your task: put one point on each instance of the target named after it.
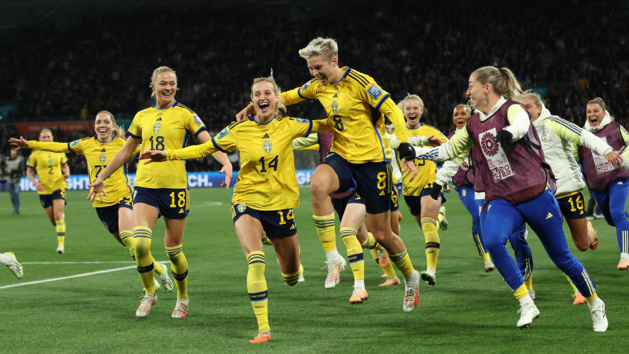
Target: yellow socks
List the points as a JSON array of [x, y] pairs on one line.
[[521, 292], [60, 226], [433, 243], [128, 241], [354, 254], [325, 229], [144, 258], [258, 290], [292, 279], [528, 282], [403, 262], [179, 267]]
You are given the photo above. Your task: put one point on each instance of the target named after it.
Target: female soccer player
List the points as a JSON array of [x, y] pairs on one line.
[[511, 170], [608, 183], [416, 191], [160, 190], [52, 171], [355, 107], [115, 210], [266, 191]]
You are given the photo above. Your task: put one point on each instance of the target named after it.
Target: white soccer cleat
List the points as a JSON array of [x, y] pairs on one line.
[[599, 315], [146, 304], [488, 265], [334, 271], [429, 277], [61, 250], [411, 292], [532, 294], [528, 313], [358, 295], [181, 308], [443, 225], [167, 283], [14, 265]]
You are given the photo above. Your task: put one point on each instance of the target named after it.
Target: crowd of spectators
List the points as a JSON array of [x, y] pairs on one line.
[[572, 50]]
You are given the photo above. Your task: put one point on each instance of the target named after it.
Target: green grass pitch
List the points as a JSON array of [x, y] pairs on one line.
[[53, 310]]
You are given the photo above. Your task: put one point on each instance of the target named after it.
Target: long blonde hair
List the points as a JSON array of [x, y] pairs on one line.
[[502, 79]]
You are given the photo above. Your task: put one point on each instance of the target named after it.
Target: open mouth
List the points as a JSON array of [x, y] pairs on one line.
[[322, 78], [593, 120], [264, 107]]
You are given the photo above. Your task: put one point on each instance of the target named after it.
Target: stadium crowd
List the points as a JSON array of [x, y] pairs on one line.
[[101, 62]]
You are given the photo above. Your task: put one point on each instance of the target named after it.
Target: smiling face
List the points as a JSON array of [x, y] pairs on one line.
[[413, 110], [165, 87], [460, 116], [595, 114], [265, 100], [45, 136], [531, 107], [104, 126], [477, 93], [326, 71]]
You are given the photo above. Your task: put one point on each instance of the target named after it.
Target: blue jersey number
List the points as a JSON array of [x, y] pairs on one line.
[[157, 143], [272, 164]]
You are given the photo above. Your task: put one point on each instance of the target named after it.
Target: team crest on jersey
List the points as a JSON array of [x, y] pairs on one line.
[[241, 208], [102, 158], [374, 91], [74, 143], [306, 85], [156, 128], [49, 161], [301, 120], [335, 107], [198, 120], [267, 146]]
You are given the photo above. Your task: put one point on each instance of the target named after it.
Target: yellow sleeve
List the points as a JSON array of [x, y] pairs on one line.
[[389, 109], [292, 96], [192, 152], [48, 146]]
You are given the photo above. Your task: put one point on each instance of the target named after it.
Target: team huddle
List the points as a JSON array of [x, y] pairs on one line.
[[511, 161]]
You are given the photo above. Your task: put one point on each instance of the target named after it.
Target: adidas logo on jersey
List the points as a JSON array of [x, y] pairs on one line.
[[159, 119], [266, 136], [549, 216], [103, 150], [336, 95]]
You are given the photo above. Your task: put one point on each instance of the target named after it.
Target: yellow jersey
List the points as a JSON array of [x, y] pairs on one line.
[[98, 155], [426, 169], [267, 179], [355, 106], [48, 168], [161, 129]]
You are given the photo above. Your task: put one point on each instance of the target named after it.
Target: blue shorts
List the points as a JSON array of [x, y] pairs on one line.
[[46, 199], [172, 203], [341, 204], [109, 214], [573, 206], [276, 224], [414, 203], [371, 180]]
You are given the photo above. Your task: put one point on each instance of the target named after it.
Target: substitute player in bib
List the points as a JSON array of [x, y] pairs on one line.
[[511, 170], [266, 191], [160, 190], [115, 210], [355, 106], [52, 171]]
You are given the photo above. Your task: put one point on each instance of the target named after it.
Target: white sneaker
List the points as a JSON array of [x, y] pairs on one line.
[[334, 270], [167, 283], [61, 250], [599, 315], [411, 292], [532, 294], [528, 313], [429, 277], [488, 265], [181, 308], [443, 225], [146, 304], [14, 265], [301, 278]]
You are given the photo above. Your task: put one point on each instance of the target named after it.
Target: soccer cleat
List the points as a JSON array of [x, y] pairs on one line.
[[181, 308], [593, 236], [589, 217], [624, 263], [599, 315], [488, 265], [383, 258], [429, 277], [358, 295], [528, 313], [578, 298], [264, 336], [14, 265], [391, 282], [301, 278], [61, 250], [167, 283], [532, 294], [443, 225], [145, 306], [334, 270], [411, 292]]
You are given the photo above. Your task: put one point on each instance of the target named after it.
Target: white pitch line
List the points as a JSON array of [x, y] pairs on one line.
[[68, 277], [119, 262]]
